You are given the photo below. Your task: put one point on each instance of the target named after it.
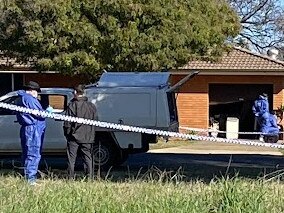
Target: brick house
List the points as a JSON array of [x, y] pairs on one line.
[[222, 89], [13, 75], [228, 88]]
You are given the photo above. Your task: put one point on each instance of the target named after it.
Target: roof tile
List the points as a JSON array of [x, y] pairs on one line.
[[238, 59]]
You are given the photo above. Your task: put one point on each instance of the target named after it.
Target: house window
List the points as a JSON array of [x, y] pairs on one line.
[[5, 83], [10, 82], [18, 81]]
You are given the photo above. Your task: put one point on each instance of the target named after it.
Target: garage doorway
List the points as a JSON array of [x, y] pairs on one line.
[[236, 100]]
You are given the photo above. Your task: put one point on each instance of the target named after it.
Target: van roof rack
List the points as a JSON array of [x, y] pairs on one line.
[[134, 79]]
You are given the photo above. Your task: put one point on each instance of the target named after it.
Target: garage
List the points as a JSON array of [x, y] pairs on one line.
[[228, 87], [236, 100]]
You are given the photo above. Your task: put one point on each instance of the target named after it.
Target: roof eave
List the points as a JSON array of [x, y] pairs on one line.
[[273, 72], [27, 71]]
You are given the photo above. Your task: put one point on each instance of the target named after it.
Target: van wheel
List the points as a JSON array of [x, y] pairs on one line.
[[104, 155]]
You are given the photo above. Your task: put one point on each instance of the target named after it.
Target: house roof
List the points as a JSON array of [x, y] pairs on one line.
[[238, 59], [10, 65], [6, 62]]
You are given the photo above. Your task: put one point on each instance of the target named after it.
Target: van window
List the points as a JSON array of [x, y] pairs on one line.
[[58, 102], [172, 106], [11, 100]]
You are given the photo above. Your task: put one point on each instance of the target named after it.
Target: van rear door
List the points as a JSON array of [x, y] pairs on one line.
[[171, 96], [178, 85]]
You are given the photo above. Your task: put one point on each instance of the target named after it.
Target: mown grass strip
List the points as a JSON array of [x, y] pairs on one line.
[[222, 195]]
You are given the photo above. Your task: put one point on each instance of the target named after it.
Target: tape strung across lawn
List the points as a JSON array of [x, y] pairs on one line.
[[219, 131], [128, 128]]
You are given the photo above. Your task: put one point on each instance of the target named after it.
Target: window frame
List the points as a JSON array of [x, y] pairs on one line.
[[3, 112], [7, 101], [54, 94]]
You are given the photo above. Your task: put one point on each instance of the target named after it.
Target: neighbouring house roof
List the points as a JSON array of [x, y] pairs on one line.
[[11, 63], [238, 59]]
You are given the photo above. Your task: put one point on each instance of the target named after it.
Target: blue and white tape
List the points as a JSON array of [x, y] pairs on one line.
[[220, 131], [121, 127]]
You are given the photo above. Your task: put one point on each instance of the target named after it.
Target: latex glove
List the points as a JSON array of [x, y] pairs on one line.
[[49, 109]]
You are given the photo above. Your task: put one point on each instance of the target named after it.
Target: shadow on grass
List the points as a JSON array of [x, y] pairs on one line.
[[164, 167]]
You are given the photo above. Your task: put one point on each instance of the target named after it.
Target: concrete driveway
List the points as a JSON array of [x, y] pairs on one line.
[[204, 147]]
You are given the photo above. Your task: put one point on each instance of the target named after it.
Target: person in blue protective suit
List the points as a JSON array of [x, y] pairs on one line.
[[269, 126], [261, 111], [32, 130], [270, 129], [261, 106]]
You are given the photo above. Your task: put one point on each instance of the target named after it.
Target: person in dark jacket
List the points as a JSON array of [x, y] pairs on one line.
[[32, 130], [80, 136]]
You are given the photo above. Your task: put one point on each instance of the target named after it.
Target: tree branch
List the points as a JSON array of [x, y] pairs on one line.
[[248, 16]]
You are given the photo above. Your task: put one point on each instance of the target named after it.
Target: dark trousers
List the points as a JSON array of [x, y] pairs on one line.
[[86, 150]]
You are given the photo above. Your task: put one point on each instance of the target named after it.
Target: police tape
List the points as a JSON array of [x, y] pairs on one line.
[[220, 131], [128, 128]]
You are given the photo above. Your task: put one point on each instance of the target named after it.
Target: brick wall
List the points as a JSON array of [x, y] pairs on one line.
[[193, 99], [192, 102]]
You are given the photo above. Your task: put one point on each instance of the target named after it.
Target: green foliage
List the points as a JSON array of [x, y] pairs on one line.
[[85, 36]]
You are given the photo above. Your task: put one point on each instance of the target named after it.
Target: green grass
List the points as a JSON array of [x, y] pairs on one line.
[[161, 144], [150, 190], [282, 151], [143, 195]]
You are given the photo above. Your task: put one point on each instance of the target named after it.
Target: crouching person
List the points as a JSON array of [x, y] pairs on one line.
[[80, 137], [270, 128]]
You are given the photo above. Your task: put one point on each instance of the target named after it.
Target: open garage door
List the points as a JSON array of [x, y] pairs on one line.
[[236, 100]]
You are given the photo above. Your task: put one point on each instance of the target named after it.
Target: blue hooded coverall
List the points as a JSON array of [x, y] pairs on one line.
[[266, 121], [261, 107], [270, 127], [32, 134]]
